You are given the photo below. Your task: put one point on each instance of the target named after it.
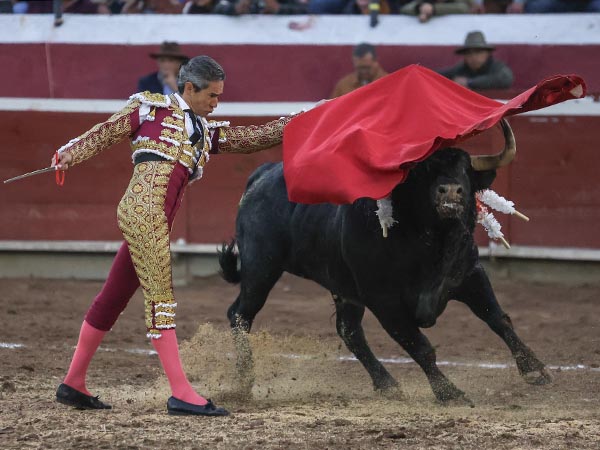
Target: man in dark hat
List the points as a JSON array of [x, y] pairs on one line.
[[169, 59], [479, 70]]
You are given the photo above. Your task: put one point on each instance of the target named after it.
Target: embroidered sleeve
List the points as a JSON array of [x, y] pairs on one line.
[[118, 126], [251, 138]]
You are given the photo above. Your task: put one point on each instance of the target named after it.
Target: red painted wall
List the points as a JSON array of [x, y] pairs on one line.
[[276, 72], [553, 180]]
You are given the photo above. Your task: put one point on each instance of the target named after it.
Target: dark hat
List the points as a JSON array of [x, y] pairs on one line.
[[170, 50], [475, 40]]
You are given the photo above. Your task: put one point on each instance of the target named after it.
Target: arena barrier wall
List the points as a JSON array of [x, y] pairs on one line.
[[553, 179], [50, 75]]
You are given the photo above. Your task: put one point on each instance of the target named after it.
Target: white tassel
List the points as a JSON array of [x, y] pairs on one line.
[[499, 203], [385, 212], [491, 225]]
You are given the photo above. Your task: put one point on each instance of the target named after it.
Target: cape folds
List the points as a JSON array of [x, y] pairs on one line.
[[363, 143]]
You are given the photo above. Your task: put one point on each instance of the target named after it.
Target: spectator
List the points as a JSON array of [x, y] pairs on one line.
[[164, 81], [39, 7], [498, 6], [285, 7], [86, 7], [362, 7], [479, 70], [167, 6], [152, 7], [349, 6], [562, 6], [282, 7], [198, 7], [327, 6], [366, 70], [20, 7], [425, 10], [6, 6]]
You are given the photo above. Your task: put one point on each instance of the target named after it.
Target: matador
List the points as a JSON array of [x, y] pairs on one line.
[[171, 141]]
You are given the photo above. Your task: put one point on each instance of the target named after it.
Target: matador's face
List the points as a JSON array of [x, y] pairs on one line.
[[204, 101]]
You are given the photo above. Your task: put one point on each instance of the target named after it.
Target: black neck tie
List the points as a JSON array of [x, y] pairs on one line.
[[197, 134]]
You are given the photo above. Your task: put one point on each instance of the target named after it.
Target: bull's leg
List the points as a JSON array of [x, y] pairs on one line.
[[240, 328], [348, 324], [477, 293], [254, 290], [416, 344]]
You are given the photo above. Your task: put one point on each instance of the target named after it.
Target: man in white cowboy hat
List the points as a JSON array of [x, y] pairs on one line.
[[479, 70], [169, 59]]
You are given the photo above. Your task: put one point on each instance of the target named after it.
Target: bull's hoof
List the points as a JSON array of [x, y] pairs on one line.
[[458, 401], [384, 383], [538, 377], [392, 393], [450, 395]]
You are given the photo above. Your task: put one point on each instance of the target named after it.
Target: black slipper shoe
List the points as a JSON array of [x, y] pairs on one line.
[[177, 407], [72, 397]]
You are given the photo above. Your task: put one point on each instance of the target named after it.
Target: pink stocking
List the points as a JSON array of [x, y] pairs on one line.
[[168, 352], [88, 343]]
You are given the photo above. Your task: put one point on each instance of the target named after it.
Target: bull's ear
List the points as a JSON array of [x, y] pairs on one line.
[[482, 179]]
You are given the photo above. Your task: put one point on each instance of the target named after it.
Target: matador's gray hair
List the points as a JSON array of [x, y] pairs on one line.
[[200, 71]]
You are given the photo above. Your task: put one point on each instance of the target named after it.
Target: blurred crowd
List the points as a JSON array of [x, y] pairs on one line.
[[476, 69], [422, 10]]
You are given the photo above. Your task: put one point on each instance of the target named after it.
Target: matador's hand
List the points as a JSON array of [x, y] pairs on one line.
[[64, 161]]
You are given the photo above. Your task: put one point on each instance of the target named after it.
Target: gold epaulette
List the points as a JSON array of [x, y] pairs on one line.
[[148, 98]]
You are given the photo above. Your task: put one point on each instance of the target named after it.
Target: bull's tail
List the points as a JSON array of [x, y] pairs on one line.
[[228, 258]]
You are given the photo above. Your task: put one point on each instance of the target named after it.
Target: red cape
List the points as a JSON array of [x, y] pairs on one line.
[[362, 144]]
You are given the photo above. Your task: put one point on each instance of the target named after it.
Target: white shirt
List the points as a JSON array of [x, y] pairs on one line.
[[189, 127], [145, 109]]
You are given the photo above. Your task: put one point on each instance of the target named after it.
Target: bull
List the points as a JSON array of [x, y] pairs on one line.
[[406, 279]]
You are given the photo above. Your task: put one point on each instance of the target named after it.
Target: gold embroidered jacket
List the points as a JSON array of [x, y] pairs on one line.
[[163, 132]]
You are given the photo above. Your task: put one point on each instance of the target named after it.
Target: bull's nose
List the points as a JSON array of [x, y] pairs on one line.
[[450, 190]]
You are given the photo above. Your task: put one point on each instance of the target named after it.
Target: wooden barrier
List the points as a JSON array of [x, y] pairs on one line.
[[553, 180]]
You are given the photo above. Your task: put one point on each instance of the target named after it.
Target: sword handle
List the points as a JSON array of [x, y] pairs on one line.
[[59, 174]]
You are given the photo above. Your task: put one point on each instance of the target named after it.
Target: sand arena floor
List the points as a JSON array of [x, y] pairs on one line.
[[307, 395]]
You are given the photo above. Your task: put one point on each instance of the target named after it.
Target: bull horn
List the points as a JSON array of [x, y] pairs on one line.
[[489, 162]]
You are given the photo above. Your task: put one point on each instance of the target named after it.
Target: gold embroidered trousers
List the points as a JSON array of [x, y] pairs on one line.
[[145, 215]]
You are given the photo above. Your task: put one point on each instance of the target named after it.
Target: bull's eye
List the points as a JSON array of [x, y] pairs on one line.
[[442, 189], [459, 190]]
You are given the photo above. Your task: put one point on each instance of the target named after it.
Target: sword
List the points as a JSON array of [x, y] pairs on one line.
[[30, 174]]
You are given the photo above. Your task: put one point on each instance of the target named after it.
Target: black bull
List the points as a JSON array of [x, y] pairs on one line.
[[405, 280]]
